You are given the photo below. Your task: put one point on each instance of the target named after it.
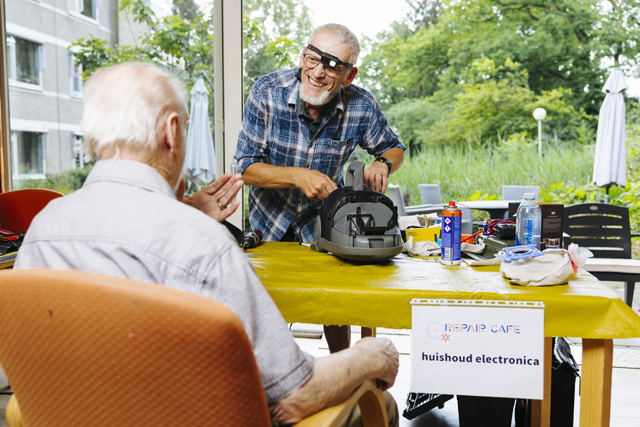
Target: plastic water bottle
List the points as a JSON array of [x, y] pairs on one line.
[[528, 221]]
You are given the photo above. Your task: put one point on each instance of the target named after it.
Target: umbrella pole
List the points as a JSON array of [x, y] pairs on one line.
[[606, 195]]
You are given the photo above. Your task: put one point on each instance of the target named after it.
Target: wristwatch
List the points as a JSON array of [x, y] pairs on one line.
[[386, 162]]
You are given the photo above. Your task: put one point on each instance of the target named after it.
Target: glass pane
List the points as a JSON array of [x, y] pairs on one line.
[[45, 91], [30, 153], [87, 9], [27, 61]]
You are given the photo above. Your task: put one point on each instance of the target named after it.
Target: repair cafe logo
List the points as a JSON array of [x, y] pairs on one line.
[[436, 331]]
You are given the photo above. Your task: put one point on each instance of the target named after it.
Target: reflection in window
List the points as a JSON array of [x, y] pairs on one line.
[[28, 154], [24, 60]]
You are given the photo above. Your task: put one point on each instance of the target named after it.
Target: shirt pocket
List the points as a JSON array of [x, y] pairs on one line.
[[331, 154]]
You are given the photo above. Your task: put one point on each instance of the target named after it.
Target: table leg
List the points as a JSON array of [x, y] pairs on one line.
[[367, 332], [541, 409], [595, 390]]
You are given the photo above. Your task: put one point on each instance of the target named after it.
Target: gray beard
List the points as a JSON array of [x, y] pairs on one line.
[[316, 101]]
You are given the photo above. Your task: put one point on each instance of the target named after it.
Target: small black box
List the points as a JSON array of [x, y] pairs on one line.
[[552, 217]]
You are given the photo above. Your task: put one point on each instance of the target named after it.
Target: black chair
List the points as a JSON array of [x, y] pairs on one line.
[[604, 229]]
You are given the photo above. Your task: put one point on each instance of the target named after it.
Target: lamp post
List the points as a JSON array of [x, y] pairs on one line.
[[539, 114]]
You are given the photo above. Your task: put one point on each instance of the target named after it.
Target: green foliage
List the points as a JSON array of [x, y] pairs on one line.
[[482, 66], [491, 103], [182, 42], [274, 35], [65, 182], [474, 171]]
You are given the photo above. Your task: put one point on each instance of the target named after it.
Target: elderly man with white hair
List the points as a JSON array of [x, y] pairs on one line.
[[126, 221]]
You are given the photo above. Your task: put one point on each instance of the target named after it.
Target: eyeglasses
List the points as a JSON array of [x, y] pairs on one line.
[[332, 65]]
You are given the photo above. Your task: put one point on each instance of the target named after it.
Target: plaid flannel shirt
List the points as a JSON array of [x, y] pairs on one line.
[[273, 133]]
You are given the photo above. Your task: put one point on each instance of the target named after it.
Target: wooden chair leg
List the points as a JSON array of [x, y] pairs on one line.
[[367, 332]]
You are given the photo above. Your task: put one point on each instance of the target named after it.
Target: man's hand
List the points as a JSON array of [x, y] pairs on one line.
[[336, 376], [216, 199], [384, 357], [315, 185], [376, 177]]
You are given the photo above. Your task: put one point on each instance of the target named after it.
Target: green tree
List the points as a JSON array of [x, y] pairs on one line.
[[561, 47], [275, 32], [182, 42]]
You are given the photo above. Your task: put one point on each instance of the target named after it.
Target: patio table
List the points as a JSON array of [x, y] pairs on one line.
[[313, 287], [497, 208]]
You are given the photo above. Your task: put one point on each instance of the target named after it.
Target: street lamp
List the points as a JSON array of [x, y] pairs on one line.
[[539, 114]]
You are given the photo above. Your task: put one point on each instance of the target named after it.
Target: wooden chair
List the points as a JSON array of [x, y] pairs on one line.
[[604, 229], [18, 207], [86, 349]]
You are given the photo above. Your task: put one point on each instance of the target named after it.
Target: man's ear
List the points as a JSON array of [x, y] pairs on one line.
[[172, 132], [352, 75]]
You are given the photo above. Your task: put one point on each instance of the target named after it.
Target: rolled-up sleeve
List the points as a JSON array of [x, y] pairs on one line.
[[379, 136]]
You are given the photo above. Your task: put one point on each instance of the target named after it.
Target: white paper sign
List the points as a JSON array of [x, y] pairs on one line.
[[478, 348]]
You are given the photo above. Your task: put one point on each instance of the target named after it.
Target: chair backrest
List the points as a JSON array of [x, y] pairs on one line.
[[602, 228], [430, 194], [18, 207], [516, 192], [85, 349], [396, 197]]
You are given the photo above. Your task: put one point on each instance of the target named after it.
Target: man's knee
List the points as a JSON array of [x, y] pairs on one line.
[[392, 409]]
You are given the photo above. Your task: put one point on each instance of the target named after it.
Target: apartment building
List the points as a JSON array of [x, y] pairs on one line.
[[45, 86]]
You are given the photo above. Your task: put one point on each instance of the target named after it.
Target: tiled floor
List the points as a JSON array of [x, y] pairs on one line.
[[625, 399]]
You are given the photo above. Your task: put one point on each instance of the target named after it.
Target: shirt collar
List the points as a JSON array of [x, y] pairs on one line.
[[131, 173]]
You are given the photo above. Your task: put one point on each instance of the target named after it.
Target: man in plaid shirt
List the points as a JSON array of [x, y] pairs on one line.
[[300, 127]]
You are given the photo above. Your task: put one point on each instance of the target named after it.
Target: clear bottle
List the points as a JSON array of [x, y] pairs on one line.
[[528, 221]]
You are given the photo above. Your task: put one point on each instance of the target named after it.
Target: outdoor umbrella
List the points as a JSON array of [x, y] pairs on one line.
[[199, 163], [609, 166]]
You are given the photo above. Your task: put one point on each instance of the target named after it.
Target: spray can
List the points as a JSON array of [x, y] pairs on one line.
[[451, 234]]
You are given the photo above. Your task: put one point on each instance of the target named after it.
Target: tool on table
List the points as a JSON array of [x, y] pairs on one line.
[[251, 239]]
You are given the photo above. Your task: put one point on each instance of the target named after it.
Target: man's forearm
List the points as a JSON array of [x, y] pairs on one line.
[[315, 185], [396, 156], [270, 176], [334, 378]]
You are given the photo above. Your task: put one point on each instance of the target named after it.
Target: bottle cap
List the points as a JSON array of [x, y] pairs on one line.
[[529, 196], [452, 203]]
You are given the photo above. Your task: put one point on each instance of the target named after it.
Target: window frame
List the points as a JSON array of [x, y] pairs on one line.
[[75, 75], [76, 7], [42, 173], [12, 62]]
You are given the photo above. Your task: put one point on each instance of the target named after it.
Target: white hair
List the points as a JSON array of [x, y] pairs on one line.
[[125, 106], [344, 34]]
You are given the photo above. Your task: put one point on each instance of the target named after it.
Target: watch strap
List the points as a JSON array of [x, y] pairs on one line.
[[386, 162]]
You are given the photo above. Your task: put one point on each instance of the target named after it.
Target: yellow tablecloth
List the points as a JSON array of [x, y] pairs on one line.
[[312, 287]]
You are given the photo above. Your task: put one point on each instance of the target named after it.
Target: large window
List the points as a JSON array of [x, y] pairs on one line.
[[28, 155], [25, 60]]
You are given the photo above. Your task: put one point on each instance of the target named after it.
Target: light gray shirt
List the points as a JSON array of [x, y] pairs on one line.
[[125, 221]]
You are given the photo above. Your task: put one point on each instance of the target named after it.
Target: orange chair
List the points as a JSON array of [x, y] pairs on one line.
[[18, 207], [86, 349]]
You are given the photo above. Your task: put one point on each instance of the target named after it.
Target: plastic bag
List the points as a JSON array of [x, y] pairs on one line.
[[554, 268]]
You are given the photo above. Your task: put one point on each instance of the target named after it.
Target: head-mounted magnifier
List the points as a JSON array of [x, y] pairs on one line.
[[329, 60]]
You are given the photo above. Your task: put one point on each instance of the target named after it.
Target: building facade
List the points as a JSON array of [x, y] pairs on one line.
[[45, 86]]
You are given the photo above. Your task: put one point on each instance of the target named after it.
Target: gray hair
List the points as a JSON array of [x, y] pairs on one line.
[[344, 34], [125, 106]]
